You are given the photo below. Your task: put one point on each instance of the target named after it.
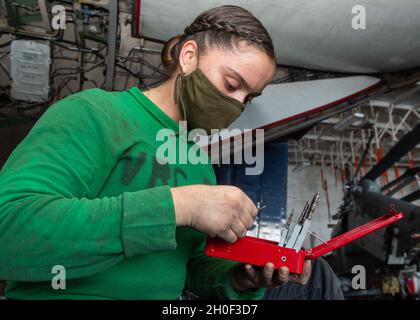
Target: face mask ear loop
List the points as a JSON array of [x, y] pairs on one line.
[[178, 98], [198, 61], [177, 92], [178, 95]]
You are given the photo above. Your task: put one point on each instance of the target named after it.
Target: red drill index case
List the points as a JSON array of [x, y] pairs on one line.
[[258, 251]]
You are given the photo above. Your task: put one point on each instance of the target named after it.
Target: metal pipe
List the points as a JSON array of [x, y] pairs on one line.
[[112, 44]]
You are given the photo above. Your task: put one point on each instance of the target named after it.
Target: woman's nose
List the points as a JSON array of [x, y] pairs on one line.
[[240, 96]]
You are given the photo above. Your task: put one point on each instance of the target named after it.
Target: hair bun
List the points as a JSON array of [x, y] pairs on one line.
[[168, 55], [222, 26]]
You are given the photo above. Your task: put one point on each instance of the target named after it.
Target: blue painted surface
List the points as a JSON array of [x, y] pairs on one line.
[[268, 188]]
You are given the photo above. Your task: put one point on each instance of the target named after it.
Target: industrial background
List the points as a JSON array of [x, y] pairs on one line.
[[354, 140]]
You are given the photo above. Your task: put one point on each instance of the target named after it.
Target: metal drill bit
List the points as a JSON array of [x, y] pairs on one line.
[[304, 213], [263, 207], [314, 204], [298, 227], [305, 228], [289, 220], [283, 232], [289, 228], [315, 236]]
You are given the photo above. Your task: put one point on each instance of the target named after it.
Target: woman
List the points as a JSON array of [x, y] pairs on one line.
[[85, 192]]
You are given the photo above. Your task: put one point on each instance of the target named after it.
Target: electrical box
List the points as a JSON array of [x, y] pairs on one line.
[[30, 70]]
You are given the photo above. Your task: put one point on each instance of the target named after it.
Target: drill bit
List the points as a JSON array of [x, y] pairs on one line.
[[305, 228], [304, 213], [298, 226], [316, 237], [285, 230], [263, 207]]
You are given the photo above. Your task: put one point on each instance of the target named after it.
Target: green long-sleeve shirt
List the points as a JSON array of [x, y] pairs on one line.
[[84, 191]]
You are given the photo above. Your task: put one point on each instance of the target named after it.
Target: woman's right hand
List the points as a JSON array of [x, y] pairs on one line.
[[223, 211]]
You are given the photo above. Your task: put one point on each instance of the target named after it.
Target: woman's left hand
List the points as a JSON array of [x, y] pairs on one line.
[[247, 276]]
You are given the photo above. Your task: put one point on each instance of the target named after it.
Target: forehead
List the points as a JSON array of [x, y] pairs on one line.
[[252, 63]]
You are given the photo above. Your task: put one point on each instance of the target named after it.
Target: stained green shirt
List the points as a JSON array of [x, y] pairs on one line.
[[84, 190]]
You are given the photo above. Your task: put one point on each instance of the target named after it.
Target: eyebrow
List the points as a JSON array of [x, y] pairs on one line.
[[241, 79]]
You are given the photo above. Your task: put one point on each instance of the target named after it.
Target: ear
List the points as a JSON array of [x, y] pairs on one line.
[[188, 57]]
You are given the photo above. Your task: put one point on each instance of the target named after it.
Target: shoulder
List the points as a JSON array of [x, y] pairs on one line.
[[98, 96], [94, 110], [87, 108], [94, 98], [93, 102]]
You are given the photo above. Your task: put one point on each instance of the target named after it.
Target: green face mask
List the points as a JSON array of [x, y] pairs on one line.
[[202, 104]]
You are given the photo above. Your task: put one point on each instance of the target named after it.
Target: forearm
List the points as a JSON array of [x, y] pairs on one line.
[[50, 212], [85, 236]]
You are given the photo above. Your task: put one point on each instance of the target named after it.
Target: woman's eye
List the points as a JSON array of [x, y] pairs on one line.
[[229, 86]]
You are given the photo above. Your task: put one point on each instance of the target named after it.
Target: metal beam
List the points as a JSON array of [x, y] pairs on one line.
[[406, 143], [412, 196], [112, 45]]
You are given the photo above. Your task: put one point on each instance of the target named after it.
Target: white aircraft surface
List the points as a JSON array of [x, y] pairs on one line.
[[313, 34], [309, 34]]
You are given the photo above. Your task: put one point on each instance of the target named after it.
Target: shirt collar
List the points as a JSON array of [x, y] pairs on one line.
[[154, 110]]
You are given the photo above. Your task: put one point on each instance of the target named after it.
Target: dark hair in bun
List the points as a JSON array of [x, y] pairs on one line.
[[224, 26]]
